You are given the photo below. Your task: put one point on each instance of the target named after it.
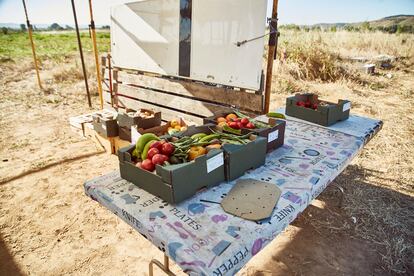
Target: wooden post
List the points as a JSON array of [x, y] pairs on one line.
[[271, 55], [95, 51], [85, 76], [29, 29]]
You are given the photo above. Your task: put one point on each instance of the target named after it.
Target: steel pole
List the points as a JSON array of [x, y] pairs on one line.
[[85, 75], [29, 29], [271, 55], [95, 50]]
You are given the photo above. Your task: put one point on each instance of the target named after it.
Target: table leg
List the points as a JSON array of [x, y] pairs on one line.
[[164, 267]]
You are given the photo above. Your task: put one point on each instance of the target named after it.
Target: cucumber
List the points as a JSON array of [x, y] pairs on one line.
[[209, 138], [232, 130], [276, 115], [198, 136]]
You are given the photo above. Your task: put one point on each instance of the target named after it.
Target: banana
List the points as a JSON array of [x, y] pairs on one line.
[[144, 139], [198, 136], [146, 149]]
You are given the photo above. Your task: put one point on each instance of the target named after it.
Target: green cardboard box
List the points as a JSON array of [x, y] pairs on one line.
[[275, 135], [237, 158], [326, 114], [175, 183]]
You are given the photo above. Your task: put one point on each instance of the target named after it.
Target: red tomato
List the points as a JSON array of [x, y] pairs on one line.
[[245, 121], [157, 145], [167, 149], [240, 125], [147, 165], [300, 103], [308, 104], [315, 106], [159, 159], [152, 152], [234, 125], [250, 126]]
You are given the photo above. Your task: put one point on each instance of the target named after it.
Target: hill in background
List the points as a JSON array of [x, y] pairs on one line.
[[390, 24]]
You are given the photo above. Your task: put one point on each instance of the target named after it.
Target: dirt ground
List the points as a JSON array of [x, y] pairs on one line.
[[49, 227]]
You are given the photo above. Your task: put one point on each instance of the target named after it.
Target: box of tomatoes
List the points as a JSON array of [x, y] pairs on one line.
[[241, 152], [310, 108], [238, 123], [171, 168]]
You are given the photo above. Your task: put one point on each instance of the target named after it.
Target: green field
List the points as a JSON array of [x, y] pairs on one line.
[[55, 46]]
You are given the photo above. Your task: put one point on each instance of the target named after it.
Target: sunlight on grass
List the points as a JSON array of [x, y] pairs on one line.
[[49, 45]]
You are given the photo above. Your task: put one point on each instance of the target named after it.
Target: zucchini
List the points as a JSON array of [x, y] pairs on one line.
[[276, 115]]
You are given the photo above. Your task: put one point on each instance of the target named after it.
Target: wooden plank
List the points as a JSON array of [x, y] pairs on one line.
[[166, 114], [185, 105], [219, 95]]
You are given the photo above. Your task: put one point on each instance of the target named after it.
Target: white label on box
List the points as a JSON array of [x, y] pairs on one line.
[[215, 162], [134, 135], [273, 136], [346, 107]]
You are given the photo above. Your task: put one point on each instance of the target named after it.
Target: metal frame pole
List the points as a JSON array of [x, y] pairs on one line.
[[164, 267], [29, 29], [85, 76], [95, 50], [271, 55]]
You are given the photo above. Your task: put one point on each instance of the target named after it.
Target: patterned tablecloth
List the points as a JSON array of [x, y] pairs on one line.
[[204, 240]]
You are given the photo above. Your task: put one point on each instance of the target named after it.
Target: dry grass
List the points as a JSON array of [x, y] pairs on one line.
[[380, 184]]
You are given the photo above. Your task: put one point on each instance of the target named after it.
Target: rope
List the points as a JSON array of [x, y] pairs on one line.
[[272, 31]]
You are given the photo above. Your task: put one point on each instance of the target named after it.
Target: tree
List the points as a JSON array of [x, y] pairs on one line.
[[67, 27], [333, 29], [23, 27], [55, 27], [365, 26], [5, 30]]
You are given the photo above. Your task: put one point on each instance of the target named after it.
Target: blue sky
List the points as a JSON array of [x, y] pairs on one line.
[[290, 11]]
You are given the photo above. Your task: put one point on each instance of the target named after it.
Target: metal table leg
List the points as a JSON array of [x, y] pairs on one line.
[[164, 267]]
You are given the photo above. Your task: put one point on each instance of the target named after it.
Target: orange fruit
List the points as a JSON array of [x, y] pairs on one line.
[[221, 119], [221, 124], [231, 116]]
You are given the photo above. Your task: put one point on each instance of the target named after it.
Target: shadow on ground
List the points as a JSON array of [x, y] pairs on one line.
[[330, 240], [8, 265]]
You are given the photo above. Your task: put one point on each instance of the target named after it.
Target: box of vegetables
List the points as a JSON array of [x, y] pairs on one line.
[[171, 168], [310, 108], [143, 119], [238, 123], [242, 152]]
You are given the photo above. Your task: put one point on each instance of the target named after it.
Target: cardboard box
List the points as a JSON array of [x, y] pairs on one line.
[[106, 126], [174, 183], [325, 115], [158, 130], [275, 134], [77, 122], [237, 158], [127, 121], [124, 133]]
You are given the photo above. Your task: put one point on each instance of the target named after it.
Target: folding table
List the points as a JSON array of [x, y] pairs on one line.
[[203, 239]]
